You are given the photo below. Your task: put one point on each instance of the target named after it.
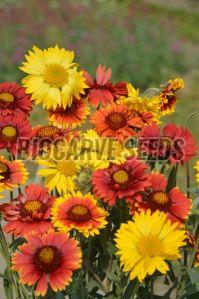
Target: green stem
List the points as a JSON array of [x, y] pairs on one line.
[[188, 180], [135, 289]]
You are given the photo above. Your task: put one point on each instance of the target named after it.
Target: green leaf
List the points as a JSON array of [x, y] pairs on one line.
[[59, 296], [194, 275], [17, 242], [131, 290], [172, 179], [7, 284]]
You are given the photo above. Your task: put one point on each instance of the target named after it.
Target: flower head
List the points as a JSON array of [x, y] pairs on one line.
[[115, 121], [13, 99], [15, 131], [52, 77], [12, 174], [145, 243], [80, 212], [174, 203], [120, 181], [49, 258], [175, 144], [29, 211], [70, 116], [197, 169]]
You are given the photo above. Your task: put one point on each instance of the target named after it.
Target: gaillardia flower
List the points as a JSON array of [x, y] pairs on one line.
[[12, 174], [174, 203], [15, 131], [146, 243], [45, 259], [120, 181], [70, 116], [13, 99], [52, 77], [197, 169], [115, 121], [175, 144], [29, 212], [80, 212], [168, 96]]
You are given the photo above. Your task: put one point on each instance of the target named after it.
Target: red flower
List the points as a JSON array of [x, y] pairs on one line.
[[174, 203], [101, 90], [120, 181], [29, 212], [45, 259], [15, 131], [13, 99], [174, 143]]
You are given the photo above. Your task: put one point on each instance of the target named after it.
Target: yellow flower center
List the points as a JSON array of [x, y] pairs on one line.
[[9, 131], [160, 197], [166, 142], [47, 131], [56, 75], [6, 97], [33, 206], [46, 255], [79, 213], [150, 246], [79, 210], [3, 168], [67, 167], [121, 176]]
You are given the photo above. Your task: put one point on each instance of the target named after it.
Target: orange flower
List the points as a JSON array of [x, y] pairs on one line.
[[48, 258], [115, 121], [70, 116]]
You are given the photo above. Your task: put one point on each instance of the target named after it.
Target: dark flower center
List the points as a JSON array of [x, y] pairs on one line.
[[47, 131], [79, 213], [47, 259], [116, 120], [160, 198]]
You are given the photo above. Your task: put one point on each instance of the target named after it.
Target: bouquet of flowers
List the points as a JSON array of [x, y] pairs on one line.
[[103, 216]]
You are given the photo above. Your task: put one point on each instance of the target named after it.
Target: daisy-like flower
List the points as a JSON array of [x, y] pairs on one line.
[[15, 131], [13, 99], [115, 121], [174, 203], [145, 244], [12, 174], [70, 116], [59, 173], [101, 90], [168, 96], [50, 258], [197, 169], [29, 211], [174, 143], [53, 78], [80, 212], [120, 181]]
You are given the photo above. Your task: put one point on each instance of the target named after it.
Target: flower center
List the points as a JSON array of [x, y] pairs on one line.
[[56, 75], [47, 259], [9, 131], [6, 97], [3, 168], [150, 246], [121, 176], [79, 213], [160, 198], [67, 167], [116, 120], [166, 142], [47, 131], [32, 206]]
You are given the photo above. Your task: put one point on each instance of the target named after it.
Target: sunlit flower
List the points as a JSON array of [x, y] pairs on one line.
[[175, 144], [101, 90], [168, 96], [12, 174], [29, 211], [50, 258], [197, 169], [80, 212], [115, 121], [70, 116], [120, 181], [174, 202], [13, 99], [145, 243], [15, 131], [52, 77]]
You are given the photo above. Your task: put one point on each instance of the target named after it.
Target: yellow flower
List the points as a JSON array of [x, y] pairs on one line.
[[80, 212], [52, 77], [145, 244], [197, 169]]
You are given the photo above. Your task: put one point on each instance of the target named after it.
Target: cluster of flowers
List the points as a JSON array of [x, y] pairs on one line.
[[80, 193]]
